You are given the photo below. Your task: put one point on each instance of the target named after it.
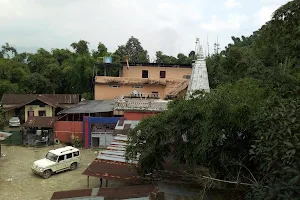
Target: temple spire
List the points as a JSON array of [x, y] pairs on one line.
[[199, 77]]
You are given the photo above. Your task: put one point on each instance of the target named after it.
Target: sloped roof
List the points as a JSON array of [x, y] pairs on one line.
[[25, 98], [128, 80], [90, 106], [37, 121], [127, 192]]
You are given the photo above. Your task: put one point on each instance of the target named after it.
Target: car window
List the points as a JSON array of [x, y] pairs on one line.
[[69, 155], [76, 153], [60, 158], [51, 156]]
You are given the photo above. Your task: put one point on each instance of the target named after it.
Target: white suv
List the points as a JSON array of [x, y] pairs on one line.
[[57, 160]]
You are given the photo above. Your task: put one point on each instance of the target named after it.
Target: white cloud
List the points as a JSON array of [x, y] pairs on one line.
[[233, 22], [232, 3], [264, 15], [158, 24]]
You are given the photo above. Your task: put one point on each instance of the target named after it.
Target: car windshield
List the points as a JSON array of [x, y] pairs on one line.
[[15, 118], [51, 156]]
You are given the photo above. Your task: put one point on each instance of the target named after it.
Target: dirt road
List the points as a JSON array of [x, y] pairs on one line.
[[18, 182]]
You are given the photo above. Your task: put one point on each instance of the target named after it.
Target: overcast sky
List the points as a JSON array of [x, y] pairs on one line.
[[167, 25]]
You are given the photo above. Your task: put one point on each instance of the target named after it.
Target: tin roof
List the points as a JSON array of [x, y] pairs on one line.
[[4, 135], [154, 105], [112, 165], [126, 192], [160, 191], [90, 106], [37, 121], [9, 99], [129, 80]]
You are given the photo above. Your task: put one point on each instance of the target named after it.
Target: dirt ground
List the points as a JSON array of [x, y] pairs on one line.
[[18, 182]]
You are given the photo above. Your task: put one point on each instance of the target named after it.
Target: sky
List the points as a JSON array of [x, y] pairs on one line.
[[167, 25]]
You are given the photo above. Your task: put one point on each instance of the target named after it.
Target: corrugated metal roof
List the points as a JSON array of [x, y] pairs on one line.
[[9, 99], [128, 192], [141, 105], [121, 126], [90, 106], [37, 121], [4, 135]]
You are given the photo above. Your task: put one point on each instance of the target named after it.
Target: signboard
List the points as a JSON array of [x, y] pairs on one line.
[[107, 59]]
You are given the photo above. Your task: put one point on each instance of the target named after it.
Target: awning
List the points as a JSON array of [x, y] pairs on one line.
[[45, 122]]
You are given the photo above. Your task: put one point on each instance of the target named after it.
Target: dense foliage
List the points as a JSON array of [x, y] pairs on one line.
[[67, 71], [247, 128]]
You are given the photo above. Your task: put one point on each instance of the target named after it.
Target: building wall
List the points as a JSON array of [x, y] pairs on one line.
[[64, 129], [137, 115], [37, 108], [106, 92], [154, 72]]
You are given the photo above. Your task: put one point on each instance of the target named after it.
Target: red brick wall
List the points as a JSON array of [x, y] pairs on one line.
[[64, 129], [137, 115]]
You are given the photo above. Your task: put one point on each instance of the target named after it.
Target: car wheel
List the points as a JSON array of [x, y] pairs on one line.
[[47, 174], [73, 166]]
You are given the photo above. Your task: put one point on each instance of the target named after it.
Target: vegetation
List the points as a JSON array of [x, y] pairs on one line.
[[67, 71], [246, 130]]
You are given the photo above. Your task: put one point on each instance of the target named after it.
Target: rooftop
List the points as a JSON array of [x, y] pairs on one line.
[[37, 121], [63, 150], [159, 65], [135, 104], [90, 106], [55, 100], [4, 135], [128, 80], [126, 192]]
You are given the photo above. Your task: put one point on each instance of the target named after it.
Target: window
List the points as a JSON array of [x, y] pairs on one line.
[[69, 155], [76, 153], [144, 73], [162, 74], [137, 86], [42, 106], [61, 158], [114, 86], [30, 113], [42, 113], [154, 94]]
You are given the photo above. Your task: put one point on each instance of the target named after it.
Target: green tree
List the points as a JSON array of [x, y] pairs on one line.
[[135, 51], [277, 149], [217, 126], [35, 83], [81, 47], [7, 50]]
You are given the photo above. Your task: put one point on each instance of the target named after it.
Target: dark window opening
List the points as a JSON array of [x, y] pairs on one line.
[[42, 106], [42, 113], [76, 153], [69, 155], [61, 158], [162, 74], [145, 74]]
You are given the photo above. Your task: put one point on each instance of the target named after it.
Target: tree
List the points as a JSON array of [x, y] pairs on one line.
[[277, 149], [101, 51], [217, 126], [81, 47], [7, 50], [35, 83], [135, 51]]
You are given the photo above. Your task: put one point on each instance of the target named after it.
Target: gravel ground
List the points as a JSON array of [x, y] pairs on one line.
[[18, 182]]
